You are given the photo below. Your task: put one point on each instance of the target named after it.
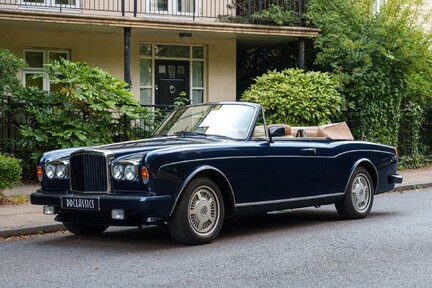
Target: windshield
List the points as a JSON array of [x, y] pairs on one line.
[[226, 120]]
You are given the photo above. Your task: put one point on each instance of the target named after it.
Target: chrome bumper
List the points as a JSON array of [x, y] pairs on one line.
[[395, 179]]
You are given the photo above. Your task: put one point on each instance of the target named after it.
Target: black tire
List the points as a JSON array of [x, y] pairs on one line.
[[84, 229], [199, 214], [359, 195]]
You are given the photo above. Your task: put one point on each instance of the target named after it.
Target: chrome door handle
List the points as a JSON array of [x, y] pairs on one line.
[[309, 150]]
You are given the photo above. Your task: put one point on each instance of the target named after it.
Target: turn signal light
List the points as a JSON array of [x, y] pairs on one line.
[[39, 173], [144, 175]]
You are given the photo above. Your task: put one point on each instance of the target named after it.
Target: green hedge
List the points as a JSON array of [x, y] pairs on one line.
[[10, 172], [296, 97]]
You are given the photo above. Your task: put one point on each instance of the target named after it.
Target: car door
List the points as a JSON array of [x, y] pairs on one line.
[[289, 169]]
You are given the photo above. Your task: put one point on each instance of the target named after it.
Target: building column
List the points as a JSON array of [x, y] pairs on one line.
[[301, 40], [127, 72], [301, 53], [127, 65]]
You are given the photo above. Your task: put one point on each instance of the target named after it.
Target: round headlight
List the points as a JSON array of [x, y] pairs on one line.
[[130, 172], [50, 171], [61, 171], [118, 171]]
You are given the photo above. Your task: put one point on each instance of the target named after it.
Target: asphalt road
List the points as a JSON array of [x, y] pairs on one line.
[[298, 248]]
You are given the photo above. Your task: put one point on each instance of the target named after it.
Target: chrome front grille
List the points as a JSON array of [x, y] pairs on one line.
[[89, 171]]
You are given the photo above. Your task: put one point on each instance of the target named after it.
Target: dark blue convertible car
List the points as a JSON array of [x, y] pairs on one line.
[[208, 162]]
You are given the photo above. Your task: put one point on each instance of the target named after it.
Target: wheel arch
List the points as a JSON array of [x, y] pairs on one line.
[[219, 178], [370, 167]]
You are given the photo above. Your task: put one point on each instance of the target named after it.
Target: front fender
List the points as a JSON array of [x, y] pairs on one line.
[[175, 179]]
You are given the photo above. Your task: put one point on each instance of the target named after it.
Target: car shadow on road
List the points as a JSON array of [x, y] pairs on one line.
[[158, 237], [288, 220], [280, 220]]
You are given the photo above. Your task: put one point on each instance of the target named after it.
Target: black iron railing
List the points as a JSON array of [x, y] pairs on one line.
[[195, 9]]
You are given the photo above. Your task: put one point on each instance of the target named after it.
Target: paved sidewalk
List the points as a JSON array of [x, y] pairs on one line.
[[19, 220]]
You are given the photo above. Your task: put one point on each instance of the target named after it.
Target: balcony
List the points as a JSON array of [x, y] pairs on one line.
[[238, 11]]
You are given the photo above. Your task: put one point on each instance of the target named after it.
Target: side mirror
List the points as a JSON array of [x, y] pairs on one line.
[[277, 131]]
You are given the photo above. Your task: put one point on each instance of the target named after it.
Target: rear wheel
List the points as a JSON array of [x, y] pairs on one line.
[[359, 194], [199, 214], [84, 229]]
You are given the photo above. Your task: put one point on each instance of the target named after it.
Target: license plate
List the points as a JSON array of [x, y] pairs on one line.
[[80, 203]]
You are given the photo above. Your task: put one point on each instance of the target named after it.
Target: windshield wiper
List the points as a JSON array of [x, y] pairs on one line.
[[189, 133], [220, 137], [158, 135]]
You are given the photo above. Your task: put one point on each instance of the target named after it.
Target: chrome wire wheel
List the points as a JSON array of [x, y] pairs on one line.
[[361, 192], [203, 210]]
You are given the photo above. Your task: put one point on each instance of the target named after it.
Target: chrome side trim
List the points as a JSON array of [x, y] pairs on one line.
[[395, 179], [275, 156], [287, 200]]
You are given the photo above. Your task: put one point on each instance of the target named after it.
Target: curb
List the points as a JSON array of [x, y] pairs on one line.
[[416, 186], [31, 230]]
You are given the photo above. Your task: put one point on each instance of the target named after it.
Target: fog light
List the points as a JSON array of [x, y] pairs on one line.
[[49, 210], [152, 220], [118, 214]]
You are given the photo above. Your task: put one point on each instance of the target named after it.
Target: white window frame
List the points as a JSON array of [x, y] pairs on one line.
[[41, 70], [50, 3], [172, 9]]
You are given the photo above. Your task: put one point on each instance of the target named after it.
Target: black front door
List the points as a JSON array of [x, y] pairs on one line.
[[172, 78]]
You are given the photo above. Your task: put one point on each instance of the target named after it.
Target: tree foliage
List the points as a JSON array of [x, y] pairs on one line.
[[87, 109], [276, 13], [296, 97], [9, 67], [377, 56]]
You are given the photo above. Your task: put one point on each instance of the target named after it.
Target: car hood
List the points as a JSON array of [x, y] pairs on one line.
[[132, 149], [146, 145]]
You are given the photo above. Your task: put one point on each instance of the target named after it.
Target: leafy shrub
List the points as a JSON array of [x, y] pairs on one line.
[[409, 136], [276, 15], [296, 97], [10, 172], [86, 111], [373, 104], [9, 66], [181, 100]]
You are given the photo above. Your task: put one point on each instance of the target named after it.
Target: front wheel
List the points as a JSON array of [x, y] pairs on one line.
[[199, 214], [358, 198], [84, 229]]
